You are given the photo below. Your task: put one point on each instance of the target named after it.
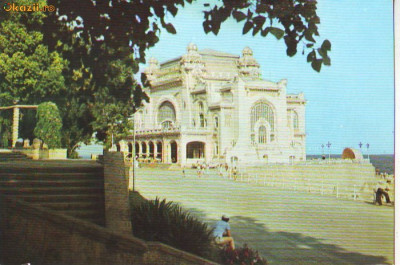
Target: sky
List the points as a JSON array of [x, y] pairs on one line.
[[351, 101]]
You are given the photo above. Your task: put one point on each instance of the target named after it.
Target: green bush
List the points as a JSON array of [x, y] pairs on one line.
[[49, 124], [167, 222]]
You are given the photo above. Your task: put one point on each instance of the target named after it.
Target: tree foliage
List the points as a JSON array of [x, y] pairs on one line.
[[83, 57], [49, 124], [293, 20], [137, 24]]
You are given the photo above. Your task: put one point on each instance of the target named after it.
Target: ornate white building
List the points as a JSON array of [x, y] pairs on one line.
[[214, 106]]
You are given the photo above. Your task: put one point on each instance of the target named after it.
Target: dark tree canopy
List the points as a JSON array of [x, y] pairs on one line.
[[136, 24]]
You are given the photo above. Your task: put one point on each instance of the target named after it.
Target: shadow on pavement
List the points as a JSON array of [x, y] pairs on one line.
[[290, 248]]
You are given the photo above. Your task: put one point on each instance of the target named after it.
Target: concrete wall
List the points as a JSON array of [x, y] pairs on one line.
[[343, 179], [32, 234], [116, 194]]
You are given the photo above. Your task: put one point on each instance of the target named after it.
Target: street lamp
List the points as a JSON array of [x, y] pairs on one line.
[[360, 145], [367, 145], [329, 150], [322, 146]]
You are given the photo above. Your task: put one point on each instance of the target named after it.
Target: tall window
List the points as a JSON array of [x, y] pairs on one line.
[[166, 112], [295, 118], [264, 111], [202, 122], [139, 117], [202, 119], [216, 122], [262, 135]]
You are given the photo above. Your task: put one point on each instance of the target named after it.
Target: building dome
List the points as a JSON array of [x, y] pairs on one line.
[[153, 61], [350, 153], [191, 47], [247, 51]]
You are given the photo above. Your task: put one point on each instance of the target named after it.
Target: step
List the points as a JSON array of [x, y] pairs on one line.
[[49, 190], [49, 175], [52, 183], [67, 206], [4, 169], [83, 214], [56, 198]]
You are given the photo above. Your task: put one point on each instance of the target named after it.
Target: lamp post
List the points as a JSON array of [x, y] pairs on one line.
[[329, 150], [133, 154], [367, 145], [323, 156], [360, 145]]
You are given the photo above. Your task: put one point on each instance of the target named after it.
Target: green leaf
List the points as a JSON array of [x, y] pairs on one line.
[[309, 45], [308, 35], [259, 20], [326, 45], [311, 56], [170, 28], [247, 27], [322, 52], [278, 33], [264, 32], [316, 64], [239, 16], [326, 60], [256, 30]]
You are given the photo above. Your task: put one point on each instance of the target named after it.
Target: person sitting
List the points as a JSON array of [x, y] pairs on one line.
[[379, 192], [222, 233]]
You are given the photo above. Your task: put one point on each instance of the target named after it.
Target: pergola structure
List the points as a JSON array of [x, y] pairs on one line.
[[15, 126]]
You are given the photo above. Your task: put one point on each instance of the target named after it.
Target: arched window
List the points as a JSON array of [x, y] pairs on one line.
[[264, 111], [139, 117], [202, 122], [295, 118], [262, 135], [166, 112], [201, 115]]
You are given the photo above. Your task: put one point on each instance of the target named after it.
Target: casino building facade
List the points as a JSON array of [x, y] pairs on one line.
[[214, 107]]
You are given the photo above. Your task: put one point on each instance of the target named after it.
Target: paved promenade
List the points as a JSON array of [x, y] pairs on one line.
[[287, 227]]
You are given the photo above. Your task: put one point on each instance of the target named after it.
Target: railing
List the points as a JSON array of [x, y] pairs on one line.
[[337, 189], [175, 129]]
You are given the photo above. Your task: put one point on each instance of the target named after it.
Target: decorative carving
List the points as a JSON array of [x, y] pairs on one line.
[[153, 70], [248, 66], [193, 66]]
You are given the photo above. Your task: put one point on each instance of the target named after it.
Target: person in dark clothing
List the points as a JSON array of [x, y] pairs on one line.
[[379, 193]]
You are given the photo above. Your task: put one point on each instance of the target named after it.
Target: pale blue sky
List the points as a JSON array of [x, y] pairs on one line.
[[348, 102]]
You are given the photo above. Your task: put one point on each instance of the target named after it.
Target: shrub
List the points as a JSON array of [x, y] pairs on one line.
[[242, 256], [167, 222], [49, 124]]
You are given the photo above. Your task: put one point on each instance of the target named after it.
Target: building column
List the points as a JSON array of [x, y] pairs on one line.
[[140, 149], [155, 150], [147, 149], [166, 152], [182, 154], [15, 126], [208, 151]]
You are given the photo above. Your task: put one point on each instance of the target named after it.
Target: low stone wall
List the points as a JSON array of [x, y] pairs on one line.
[[32, 234], [347, 180]]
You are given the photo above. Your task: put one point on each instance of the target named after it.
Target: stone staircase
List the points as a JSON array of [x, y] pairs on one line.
[[12, 156], [74, 188]]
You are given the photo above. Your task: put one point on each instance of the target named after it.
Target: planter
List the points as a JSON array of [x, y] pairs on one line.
[[55, 154]]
